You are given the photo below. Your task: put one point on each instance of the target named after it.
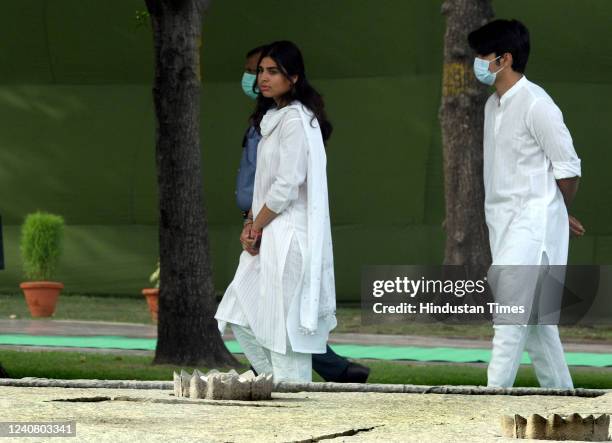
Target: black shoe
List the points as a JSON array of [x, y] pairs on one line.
[[354, 373]]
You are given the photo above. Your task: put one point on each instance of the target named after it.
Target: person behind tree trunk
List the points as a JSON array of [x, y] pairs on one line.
[[281, 303], [531, 174]]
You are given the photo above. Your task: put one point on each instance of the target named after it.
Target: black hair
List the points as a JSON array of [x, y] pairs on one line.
[[254, 51], [501, 36], [289, 60]]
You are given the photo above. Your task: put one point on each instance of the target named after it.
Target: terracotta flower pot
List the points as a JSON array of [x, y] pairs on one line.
[[41, 297], [152, 296]]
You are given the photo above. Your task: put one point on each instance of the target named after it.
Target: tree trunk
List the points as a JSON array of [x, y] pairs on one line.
[[3, 373], [187, 332], [462, 119]]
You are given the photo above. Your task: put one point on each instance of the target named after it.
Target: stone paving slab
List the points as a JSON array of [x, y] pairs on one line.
[[116, 415]]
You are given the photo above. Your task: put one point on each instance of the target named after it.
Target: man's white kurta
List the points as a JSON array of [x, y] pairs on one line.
[[279, 298], [526, 148]]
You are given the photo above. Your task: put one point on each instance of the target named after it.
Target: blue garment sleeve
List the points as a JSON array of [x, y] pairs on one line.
[[246, 173]]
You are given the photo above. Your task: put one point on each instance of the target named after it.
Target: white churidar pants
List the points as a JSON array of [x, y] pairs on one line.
[[292, 366], [545, 350], [541, 341]]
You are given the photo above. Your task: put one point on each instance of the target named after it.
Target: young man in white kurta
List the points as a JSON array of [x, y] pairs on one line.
[[268, 303], [527, 148]]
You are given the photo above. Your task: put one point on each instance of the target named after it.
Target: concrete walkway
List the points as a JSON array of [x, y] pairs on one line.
[[117, 415], [89, 328]]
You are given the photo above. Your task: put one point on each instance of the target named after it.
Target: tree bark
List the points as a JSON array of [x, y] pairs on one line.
[[462, 119], [187, 332]]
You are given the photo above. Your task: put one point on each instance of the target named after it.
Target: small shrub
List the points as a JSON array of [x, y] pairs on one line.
[[41, 245], [154, 278]]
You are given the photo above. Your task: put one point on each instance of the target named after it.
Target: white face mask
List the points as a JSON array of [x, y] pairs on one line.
[[482, 73]]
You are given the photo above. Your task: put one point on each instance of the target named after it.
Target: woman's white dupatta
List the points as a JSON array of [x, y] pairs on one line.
[[320, 300]]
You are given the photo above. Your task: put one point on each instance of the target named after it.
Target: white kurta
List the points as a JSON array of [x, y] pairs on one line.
[[526, 148], [273, 292]]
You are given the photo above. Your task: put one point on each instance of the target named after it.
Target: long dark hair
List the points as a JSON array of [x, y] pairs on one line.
[[289, 60]]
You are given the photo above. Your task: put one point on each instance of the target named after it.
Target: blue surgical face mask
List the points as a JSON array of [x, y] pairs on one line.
[[248, 80], [482, 73]]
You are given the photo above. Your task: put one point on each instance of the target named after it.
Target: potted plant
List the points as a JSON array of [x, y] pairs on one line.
[[41, 247], [152, 294]]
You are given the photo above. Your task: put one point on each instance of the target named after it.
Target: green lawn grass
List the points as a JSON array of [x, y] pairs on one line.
[[84, 307], [73, 365], [134, 310], [77, 365]]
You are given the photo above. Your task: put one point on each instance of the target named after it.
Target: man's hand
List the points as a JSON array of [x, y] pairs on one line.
[[576, 228], [246, 239]]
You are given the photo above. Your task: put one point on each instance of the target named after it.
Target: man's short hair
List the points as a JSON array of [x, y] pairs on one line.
[[255, 51], [501, 36]]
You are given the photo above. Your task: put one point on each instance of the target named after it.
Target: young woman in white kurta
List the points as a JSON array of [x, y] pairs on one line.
[[281, 302]]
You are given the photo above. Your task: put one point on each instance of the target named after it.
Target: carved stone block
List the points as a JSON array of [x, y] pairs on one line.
[[556, 427]]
